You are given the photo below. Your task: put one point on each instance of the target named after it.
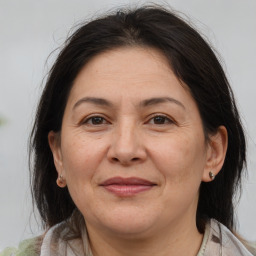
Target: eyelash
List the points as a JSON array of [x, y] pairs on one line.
[[89, 120], [166, 118]]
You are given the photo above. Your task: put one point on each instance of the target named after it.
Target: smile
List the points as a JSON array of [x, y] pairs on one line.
[[126, 187]]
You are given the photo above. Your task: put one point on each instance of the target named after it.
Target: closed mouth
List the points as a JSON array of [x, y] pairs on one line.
[[127, 181], [127, 187]]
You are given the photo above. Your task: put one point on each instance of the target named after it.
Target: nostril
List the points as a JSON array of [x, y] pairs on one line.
[[135, 159]]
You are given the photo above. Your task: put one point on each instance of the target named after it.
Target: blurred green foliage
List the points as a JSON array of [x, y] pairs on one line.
[[2, 121]]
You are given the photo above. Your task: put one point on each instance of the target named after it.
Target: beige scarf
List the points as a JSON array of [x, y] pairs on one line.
[[56, 244], [217, 241]]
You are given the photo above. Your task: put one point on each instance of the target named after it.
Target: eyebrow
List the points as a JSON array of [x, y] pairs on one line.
[[144, 103], [93, 100], [159, 100]]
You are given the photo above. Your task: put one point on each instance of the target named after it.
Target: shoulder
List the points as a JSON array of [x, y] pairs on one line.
[[222, 241], [29, 247], [234, 241]]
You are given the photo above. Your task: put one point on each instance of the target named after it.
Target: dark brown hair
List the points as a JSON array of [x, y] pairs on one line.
[[192, 60]]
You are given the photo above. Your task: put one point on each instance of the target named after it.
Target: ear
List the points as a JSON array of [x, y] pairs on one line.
[[54, 143], [216, 153]]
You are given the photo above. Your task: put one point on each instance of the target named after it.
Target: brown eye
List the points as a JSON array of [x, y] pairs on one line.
[[95, 120], [160, 120]]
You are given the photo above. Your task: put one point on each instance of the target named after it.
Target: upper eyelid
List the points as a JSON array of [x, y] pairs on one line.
[[161, 115], [107, 119], [85, 119]]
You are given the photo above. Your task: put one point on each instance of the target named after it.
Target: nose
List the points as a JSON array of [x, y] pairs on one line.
[[127, 147]]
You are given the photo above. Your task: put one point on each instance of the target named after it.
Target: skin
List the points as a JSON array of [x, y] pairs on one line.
[[159, 140]]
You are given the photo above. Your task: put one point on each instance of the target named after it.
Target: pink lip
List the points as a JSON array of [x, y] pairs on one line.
[[124, 187]]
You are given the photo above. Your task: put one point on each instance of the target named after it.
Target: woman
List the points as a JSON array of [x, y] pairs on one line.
[[138, 127]]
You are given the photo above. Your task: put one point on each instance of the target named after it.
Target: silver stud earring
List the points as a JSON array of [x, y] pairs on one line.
[[212, 175]]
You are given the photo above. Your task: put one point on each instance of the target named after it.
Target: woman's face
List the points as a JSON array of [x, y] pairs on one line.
[[132, 148]]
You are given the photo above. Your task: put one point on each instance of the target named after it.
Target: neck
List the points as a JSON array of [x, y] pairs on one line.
[[179, 240]]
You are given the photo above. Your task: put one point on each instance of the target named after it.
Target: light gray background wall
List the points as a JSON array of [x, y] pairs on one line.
[[31, 29]]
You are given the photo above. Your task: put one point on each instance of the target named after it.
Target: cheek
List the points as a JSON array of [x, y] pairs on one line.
[[81, 160], [179, 158], [81, 157]]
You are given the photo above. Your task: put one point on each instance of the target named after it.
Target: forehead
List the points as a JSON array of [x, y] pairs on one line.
[[130, 70], [130, 58]]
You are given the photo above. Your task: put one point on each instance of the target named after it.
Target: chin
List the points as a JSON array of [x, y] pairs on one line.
[[130, 230], [127, 224]]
